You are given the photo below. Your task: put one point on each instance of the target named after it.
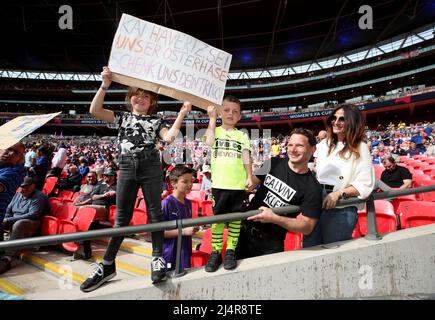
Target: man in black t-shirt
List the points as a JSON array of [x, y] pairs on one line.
[[288, 182], [395, 176]]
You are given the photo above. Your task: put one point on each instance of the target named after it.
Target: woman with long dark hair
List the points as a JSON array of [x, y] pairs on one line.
[[344, 169]]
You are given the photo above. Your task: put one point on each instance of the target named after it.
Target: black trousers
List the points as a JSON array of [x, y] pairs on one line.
[[253, 246]]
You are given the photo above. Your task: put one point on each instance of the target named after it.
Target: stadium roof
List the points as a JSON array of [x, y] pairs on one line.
[[258, 33]]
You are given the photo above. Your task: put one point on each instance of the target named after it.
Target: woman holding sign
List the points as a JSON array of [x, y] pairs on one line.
[[139, 166]]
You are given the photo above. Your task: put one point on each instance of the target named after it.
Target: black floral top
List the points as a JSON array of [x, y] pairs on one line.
[[137, 133]]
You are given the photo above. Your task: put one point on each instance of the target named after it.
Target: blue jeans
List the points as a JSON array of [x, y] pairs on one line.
[[140, 170], [338, 224]]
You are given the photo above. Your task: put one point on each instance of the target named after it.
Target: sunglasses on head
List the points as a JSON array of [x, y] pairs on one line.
[[339, 119]]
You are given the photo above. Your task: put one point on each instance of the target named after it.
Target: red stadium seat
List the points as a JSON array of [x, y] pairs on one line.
[[84, 217], [196, 204], [428, 169], [66, 212], [49, 226], [397, 201], [378, 170], [50, 182], [198, 258], [207, 208], [65, 195], [426, 196], [293, 241], [139, 217], [385, 218], [196, 187], [418, 172], [196, 195], [405, 159], [206, 242], [112, 213], [416, 213], [417, 179], [66, 226]]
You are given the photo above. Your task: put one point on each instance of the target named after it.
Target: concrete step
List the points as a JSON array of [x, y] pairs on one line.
[[63, 266], [24, 278], [131, 263]]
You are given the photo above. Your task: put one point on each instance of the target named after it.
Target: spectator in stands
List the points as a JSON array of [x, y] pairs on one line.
[[206, 180], [396, 149], [140, 166], [72, 182], [283, 182], [431, 149], [176, 206], [395, 176], [413, 150], [11, 176], [83, 168], [275, 148], [30, 158], [376, 158], [23, 215], [344, 169], [231, 172], [87, 188], [103, 194], [39, 171], [59, 161]]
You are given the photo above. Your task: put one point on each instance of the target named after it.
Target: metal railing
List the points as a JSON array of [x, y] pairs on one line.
[[372, 230]]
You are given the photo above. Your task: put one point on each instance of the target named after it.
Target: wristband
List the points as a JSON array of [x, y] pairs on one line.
[[104, 88]]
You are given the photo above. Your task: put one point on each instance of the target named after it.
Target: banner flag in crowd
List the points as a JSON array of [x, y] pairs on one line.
[[18, 128], [168, 62]]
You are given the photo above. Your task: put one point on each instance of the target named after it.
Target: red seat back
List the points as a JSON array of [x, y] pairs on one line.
[[378, 170], [84, 218], [427, 196], [416, 213], [65, 212], [66, 226], [139, 217], [50, 182], [195, 207], [196, 187], [293, 241], [50, 225], [207, 208], [198, 258], [66, 194], [112, 214], [206, 242], [385, 218]]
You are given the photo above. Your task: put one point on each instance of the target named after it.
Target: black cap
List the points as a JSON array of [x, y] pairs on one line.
[[28, 181]]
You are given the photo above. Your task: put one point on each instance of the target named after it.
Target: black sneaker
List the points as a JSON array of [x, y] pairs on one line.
[[99, 275], [230, 262], [158, 269], [214, 261]]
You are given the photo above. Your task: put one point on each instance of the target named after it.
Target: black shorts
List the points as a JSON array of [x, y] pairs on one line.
[[226, 201]]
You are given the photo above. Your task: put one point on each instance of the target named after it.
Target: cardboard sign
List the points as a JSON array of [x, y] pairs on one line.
[[168, 62], [16, 129]]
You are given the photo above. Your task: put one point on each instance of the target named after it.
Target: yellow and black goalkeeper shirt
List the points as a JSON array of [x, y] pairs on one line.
[[227, 169]]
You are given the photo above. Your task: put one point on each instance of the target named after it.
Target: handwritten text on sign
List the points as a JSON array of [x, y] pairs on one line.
[[164, 56]]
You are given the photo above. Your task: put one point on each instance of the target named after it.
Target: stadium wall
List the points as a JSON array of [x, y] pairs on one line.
[[402, 263]]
